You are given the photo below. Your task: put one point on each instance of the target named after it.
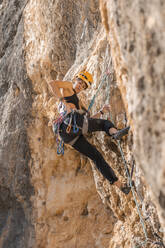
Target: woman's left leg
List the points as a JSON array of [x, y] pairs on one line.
[[84, 147]]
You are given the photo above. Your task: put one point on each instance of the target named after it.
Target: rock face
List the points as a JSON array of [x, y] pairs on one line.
[[51, 201], [136, 34], [16, 226]]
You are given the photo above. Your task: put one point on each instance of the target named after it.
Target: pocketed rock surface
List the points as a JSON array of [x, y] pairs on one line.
[[51, 201]]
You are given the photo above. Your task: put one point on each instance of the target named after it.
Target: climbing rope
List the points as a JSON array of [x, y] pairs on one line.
[[125, 163], [100, 86], [60, 146], [129, 176], [84, 29], [133, 193]]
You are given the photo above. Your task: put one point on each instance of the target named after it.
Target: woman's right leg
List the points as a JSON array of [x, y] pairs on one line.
[[84, 147], [106, 126]]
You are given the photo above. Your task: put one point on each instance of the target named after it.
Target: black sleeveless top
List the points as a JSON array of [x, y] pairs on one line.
[[73, 99]]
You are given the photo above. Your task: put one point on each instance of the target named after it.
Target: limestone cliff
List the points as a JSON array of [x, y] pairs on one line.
[[49, 201]]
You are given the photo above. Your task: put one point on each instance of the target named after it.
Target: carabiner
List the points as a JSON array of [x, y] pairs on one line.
[[68, 128], [75, 127], [69, 125]]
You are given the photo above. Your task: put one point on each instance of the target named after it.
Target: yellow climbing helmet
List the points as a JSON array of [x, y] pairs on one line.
[[86, 77]]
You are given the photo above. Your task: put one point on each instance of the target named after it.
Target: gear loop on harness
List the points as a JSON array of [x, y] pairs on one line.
[[75, 127]]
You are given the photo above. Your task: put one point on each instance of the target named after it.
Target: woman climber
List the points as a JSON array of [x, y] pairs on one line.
[[74, 122]]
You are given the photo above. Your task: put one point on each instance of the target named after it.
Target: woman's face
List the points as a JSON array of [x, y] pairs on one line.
[[79, 85]]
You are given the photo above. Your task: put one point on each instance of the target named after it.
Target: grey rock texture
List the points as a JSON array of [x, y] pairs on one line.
[[48, 201], [139, 34], [16, 228]]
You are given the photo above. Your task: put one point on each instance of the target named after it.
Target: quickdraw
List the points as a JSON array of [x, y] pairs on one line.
[[75, 127], [56, 127]]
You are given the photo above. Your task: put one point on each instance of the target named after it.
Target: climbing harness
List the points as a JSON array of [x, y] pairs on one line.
[[56, 129]]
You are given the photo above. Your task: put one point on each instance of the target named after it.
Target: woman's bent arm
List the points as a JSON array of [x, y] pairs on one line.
[[56, 87]]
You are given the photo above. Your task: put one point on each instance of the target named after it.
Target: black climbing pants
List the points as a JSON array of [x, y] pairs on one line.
[[87, 149], [84, 147]]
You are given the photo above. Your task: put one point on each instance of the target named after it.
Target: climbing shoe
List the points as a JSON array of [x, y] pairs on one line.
[[125, 189], [120, 133]]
